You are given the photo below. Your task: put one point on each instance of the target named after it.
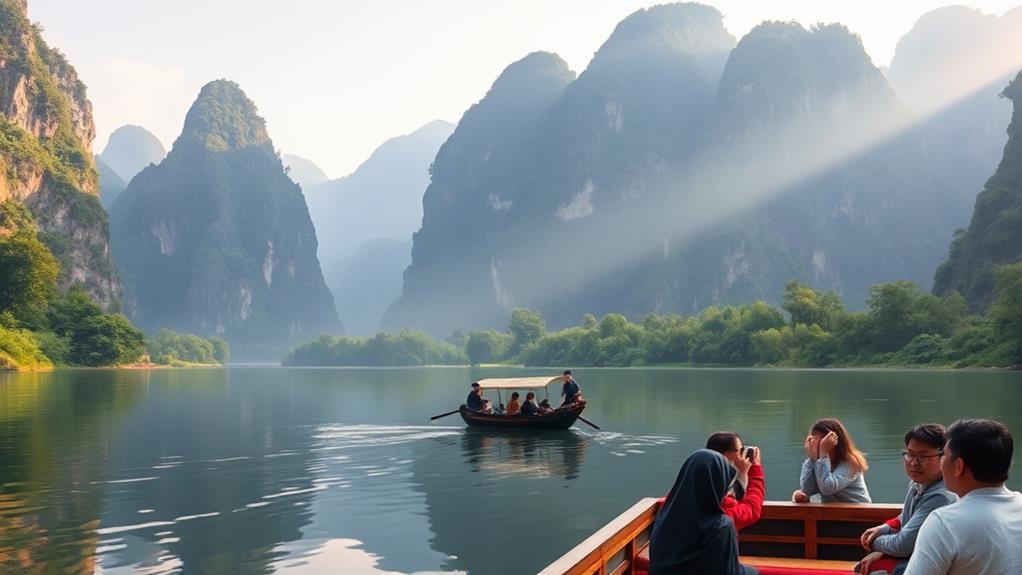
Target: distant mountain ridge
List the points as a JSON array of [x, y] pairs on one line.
[[130, 149], [303, 172], [217, 240]]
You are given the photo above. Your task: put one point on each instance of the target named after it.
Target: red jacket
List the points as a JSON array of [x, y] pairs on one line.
[[747, 511]]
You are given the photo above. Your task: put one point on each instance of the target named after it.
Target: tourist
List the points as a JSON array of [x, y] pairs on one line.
[[514, 406], [544, 407], [833, 468], [529, 406], [746, 504], [982, 533], [487, 407], [474, 402], [570, 390], [892, 543], [691, 533]]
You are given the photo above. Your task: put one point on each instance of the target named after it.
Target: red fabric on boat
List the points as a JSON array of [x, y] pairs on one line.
[[641, 564], [798, 571]]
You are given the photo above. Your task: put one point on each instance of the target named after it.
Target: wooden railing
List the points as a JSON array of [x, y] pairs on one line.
[[611, 550], [807, 531]]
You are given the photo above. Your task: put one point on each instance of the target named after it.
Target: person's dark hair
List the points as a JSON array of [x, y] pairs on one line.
[[931, 434], [529, 396], [475, 384], [514, 395], [845, 450], [985, 445], [566, 372], [722, 441]]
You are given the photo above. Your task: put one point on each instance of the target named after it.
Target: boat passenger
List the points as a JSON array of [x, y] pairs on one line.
[[745, 505], [514, 406], [529, 407], [474, 402], [891, 543], [834, 468], [571, 392], [691, 533], [981, 534], [544, 406], [487, 407]]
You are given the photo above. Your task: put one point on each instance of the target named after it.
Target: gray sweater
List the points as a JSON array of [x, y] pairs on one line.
[[919, 502], [842, 485]]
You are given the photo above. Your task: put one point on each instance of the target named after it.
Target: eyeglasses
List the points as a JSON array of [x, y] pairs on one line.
[[909, 456]]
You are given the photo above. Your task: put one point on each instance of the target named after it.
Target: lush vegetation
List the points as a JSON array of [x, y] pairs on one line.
[[406, 348], [40, 327], [902, 327], [171, 348]]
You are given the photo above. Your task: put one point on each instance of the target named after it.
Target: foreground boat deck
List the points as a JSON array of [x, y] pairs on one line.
[[788, 538]]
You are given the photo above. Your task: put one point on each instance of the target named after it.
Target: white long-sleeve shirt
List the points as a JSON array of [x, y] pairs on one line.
[[979, 535]]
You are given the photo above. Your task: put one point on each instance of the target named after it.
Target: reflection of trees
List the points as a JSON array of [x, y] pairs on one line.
[[54, 445]]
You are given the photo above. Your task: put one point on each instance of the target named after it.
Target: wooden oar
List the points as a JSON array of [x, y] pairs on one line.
[[589, 422], [448, 413]]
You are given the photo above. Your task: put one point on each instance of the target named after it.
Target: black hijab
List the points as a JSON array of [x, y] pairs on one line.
[[691, 534]]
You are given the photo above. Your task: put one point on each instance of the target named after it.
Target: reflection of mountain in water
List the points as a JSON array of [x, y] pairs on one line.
[[529, 454]]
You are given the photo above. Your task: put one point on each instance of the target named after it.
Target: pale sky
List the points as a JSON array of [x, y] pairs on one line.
[[335, 78]]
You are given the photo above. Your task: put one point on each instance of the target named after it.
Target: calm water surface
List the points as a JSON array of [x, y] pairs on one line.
[[270, 470]]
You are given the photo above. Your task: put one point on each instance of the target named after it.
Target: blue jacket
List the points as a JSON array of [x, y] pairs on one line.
[[474, 402]]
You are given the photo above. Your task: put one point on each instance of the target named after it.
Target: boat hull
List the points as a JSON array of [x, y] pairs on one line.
[[559, 419]]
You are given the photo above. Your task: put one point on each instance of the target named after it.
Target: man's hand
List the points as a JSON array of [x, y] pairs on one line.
[[800, 496], [869, 535], [863, 567], [742, 464]]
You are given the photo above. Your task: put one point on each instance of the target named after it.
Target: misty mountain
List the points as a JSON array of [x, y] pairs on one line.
[[949, 70], [46, 132], [303, 172], [365, 283], [368, 215], [217, 240], [994, 236], [130, 149], [664, 180], [382, 198], [111, 185]]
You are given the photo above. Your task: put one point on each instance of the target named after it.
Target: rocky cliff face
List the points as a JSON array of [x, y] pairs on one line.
[[46, 132], [663, 180], [217, 240], [994, 236]]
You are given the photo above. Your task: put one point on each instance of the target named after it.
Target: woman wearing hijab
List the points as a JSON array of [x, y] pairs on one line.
[[691, 534]]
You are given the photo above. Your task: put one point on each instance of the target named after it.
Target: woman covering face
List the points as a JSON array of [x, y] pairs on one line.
[[691, 534]]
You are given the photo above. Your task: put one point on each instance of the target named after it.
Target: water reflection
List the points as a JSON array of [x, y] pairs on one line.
[[543, 454]]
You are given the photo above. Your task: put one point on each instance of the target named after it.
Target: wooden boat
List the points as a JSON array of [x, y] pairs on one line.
[[558, 419], [561, 418], [789, 539]]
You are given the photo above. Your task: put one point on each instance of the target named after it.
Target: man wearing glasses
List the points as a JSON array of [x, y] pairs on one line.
[[892, 543]]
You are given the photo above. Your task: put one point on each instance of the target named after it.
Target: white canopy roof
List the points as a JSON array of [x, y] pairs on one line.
[[519, 382]]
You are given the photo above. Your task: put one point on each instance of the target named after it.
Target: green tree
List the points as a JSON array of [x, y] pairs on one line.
[[28, 272], [526, 327], [487, 346], [1006, 311], [95, 338], [221, 351], [807, 306]]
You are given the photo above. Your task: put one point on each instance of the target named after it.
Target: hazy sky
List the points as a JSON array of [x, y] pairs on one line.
[[335, 78]]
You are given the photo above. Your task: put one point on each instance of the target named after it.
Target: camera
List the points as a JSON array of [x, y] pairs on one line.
[[747, 451]]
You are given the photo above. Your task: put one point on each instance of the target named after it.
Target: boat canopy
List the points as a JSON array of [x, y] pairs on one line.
[[519, 382]]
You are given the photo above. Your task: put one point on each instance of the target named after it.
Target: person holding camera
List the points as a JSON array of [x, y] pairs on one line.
[[745, 504]]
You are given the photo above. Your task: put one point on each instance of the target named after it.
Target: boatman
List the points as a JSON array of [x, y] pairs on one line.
[[571, 391], [474, 401]]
